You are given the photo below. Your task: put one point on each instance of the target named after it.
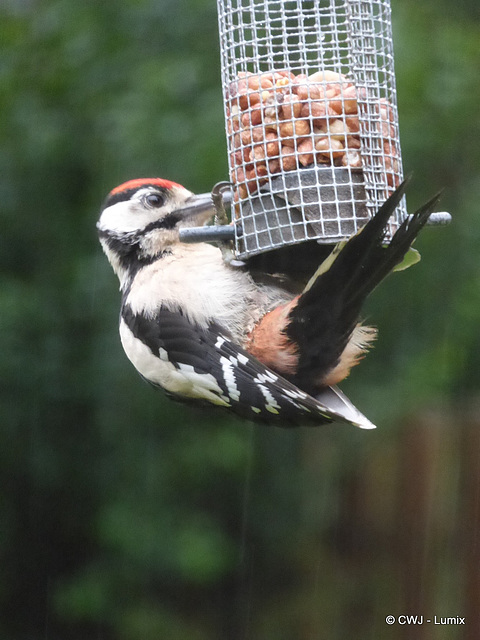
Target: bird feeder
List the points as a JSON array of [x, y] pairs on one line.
[[311, 119]]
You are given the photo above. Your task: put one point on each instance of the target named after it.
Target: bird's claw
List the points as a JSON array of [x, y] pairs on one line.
[[218, 201]]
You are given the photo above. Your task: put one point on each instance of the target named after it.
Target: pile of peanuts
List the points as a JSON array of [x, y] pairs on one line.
[[281, 121]]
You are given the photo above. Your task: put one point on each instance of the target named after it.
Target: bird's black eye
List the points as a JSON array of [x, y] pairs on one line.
[[154, 200]]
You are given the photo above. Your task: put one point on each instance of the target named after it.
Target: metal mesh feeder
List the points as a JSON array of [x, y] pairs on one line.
[[311, 118]]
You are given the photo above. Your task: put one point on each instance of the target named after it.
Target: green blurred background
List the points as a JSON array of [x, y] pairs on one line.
[[126, 517]]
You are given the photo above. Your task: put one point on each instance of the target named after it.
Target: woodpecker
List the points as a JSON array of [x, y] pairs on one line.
[[207, 331]]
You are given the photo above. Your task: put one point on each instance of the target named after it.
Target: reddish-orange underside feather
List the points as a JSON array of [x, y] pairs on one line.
[[269, 343], [140, 182]]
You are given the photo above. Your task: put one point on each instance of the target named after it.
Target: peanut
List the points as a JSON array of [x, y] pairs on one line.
[[274, 165], [300, 79], [242, 191], [326, 76], [337, 129], [337, 148], [270, 103], [331, 95], [353, 125], [252, 183], [258, 134], [389, 148], [258, 152], [329, 147], [349, 95], [388, 130], [291, 107], [319, 111], [392, 179], [247, 157], [294, 128], [246, 88], [305, 150], [263, 81], [353, 142], [262, 172], [310, 91], [284, 73], [246, 99], [252, 117], [272, 145], [236, 158], [288, 159], [282, 82], [351, 159], [386, 110], [237, 175], [244, 138], [270, 124]]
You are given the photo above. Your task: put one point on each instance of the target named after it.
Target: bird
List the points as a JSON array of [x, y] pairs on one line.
[[208, 332]]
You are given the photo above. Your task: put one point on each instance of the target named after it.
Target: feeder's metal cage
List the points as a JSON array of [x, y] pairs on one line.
[[311, 118]]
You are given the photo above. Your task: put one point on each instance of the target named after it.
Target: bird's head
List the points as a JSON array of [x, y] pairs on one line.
[[141, 219]]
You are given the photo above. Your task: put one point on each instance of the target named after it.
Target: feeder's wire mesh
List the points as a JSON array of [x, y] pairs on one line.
[[311, 117]]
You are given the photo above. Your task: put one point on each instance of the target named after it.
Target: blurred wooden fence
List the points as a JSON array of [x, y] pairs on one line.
[[405, 538]]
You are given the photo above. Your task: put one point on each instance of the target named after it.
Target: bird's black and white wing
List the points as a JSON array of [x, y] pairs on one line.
[[203, 364]]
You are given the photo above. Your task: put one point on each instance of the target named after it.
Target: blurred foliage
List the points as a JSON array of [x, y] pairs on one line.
[[124, 516]]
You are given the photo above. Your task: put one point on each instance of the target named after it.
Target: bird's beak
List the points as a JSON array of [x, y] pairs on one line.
[[197, 210]]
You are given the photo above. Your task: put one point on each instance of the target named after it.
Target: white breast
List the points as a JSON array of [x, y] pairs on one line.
[[195, 279]]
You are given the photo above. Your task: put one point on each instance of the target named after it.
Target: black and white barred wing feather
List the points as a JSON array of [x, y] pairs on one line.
[[202, 363]]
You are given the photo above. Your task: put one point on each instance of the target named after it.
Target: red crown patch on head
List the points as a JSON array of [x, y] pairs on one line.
[[141, 182]]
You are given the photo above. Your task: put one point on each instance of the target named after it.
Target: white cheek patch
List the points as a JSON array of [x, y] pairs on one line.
[[124, 217]]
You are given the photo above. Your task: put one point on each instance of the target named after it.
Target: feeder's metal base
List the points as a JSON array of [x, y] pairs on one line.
[[332, 200]]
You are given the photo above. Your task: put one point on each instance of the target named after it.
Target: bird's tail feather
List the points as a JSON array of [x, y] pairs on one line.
[[331, 304], [381, 260], [361, 263]]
